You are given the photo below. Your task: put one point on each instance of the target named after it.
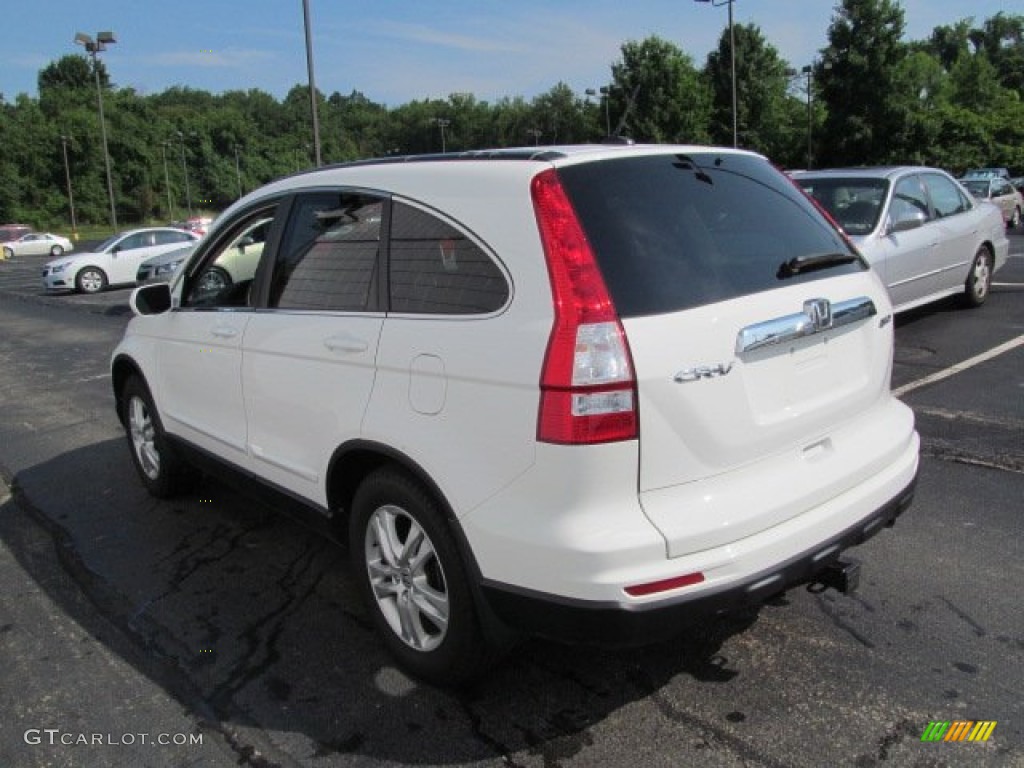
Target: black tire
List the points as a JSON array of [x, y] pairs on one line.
[[90, 280], [424, 611], [214, 280], [57, 251], [979, 278], [161, 470], [1014, 221]]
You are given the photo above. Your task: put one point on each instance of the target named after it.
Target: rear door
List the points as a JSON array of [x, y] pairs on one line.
[[742, 351], [956, 224], [308, 361]]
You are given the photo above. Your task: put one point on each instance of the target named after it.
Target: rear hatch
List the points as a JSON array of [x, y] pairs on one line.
[[755, 330]]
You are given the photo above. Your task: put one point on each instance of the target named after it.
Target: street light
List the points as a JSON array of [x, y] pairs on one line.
[[809, 71], [67, 175], [93, 47], [167, 179], [604, 90], [312, 82], [184, 168], [442, 123], [732, 56]]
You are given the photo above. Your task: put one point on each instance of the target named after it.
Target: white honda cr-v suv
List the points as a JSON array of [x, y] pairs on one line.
[[594, 392]]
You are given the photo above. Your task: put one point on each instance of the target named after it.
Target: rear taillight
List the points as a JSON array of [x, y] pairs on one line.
[[587, 387]]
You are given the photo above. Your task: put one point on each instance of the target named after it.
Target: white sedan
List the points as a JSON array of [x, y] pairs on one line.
[[113, 262], [37, 244]]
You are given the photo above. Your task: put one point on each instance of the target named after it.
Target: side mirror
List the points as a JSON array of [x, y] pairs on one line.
[[907, 220], [151, 299]]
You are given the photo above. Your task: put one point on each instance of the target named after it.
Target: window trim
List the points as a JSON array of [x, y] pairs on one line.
[[206, 248]]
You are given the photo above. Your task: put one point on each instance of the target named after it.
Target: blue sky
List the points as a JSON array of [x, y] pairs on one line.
[[395, 51]]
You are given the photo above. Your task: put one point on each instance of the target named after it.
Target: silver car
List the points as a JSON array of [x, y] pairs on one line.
[[1001, 192], [926, 237]]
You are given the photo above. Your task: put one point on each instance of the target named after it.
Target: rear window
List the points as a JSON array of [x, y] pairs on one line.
[[672, 232], [855, 203]]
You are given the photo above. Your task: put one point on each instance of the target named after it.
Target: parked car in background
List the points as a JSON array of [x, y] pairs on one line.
[[198, 224], [918, 228], [592, 392], [114, 262], [1000, 192], [10, 232], [161, 268], [37, 244], [987, 173]]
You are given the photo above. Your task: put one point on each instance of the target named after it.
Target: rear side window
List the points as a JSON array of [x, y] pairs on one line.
[[671, 232], [328, 257], [436, 269]]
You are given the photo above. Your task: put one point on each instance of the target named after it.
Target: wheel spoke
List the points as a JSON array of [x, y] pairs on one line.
[[432, 604], [387, 537]]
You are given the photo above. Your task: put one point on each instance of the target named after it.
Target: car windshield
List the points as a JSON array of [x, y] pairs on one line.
[[978, 188], [855, 203]]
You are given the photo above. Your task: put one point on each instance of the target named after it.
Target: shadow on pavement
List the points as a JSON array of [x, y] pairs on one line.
[[250, 619]]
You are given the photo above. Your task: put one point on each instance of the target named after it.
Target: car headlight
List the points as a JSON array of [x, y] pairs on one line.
[[59, 267], [167, 269]]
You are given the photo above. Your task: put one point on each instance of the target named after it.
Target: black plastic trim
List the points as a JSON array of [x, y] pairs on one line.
[[617, 624]]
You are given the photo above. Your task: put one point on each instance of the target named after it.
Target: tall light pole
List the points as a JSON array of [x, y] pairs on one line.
[[184, 169], [732, 56], [67, 175], [167, 180], [809, 70], [312, 82], [442, 123], [238, 172], [93, 47]]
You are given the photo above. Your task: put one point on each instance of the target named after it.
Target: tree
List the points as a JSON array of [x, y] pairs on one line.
[[761, 84], [658, 94], [857, 76]]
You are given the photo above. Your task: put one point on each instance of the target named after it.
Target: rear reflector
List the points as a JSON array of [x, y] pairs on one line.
[[665, 585]]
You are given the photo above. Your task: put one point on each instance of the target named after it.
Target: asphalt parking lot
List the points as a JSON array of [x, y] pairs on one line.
[[215, 617]]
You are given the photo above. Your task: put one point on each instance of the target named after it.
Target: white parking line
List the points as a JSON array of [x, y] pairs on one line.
[[955, 369]]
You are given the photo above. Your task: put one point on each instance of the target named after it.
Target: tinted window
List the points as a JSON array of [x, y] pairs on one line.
[[138, 240], [673, 232], [165, 238], [435, 269], [328, 257], [946, 197], [226, 273]]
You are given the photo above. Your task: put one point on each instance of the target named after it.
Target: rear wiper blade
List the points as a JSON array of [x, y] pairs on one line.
[[814, 261]]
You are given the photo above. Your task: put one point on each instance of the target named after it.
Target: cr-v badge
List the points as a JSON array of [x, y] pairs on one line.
[[702, 372]]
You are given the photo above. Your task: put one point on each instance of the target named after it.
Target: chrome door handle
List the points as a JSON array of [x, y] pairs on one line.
[[224, 332]]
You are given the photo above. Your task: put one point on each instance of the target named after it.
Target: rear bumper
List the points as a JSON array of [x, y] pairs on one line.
[[607, 623]]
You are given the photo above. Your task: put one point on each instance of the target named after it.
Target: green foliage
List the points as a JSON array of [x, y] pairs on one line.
[[952, 100], [658, 94]]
